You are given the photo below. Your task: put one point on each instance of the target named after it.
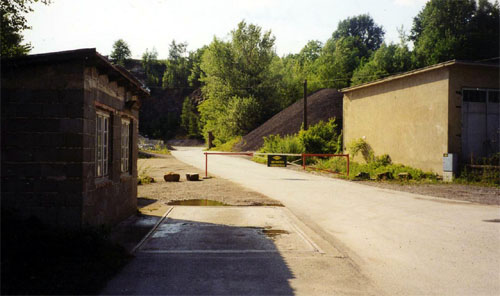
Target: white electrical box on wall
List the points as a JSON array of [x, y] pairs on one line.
[[450, 162]]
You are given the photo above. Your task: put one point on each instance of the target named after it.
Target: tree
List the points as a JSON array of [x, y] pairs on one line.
[[237, 75], [195, 72], [351, 44], [387, 60], [447, 29], [190, 119], [177, 66], [152, 67], [362, 26], [13, 24], [290, 74], [339, 60], [310, 52], [484, 31], [121, 52]]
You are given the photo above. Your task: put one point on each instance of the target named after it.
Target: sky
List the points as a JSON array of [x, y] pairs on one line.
[[73, 24]]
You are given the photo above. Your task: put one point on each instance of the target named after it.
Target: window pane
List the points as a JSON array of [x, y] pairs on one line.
[[476, 96], [493, 96], [124, 145], [101, 144]]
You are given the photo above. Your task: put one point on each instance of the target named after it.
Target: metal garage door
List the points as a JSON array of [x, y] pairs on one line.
[[480, 123]]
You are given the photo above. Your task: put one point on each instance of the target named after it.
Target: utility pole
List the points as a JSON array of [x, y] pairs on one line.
[[305, 104]]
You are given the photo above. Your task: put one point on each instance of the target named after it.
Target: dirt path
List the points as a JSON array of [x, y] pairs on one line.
[[216, 189]]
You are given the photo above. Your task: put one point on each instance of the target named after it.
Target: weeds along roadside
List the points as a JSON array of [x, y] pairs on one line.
[[319, 139]]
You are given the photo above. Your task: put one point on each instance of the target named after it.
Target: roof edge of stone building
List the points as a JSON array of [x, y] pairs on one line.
[[85, 54], [418, 71]]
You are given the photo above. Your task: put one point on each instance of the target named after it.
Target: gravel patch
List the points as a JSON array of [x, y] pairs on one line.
[[472, 193], [216, 189]]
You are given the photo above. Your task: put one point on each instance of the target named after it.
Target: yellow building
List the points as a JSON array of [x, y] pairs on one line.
[[418, 116]]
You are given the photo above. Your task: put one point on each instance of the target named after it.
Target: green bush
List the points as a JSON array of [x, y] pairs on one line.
[[335, 164], [321, 138], [143, 177], [277, 144], [360, 145], [380, 164], [479, 176], [488, 174], [227, 146]]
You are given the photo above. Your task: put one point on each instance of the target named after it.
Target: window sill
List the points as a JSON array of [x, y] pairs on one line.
[[125, 176], [102, 182]]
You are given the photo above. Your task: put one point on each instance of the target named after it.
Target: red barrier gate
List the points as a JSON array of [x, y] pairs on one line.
[[222, 153]]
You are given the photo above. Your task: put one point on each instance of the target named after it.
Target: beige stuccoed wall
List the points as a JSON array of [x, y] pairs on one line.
[[406, 118]]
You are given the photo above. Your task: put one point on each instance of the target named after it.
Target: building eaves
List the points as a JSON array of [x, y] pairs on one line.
[[416, 71], [87, 55]]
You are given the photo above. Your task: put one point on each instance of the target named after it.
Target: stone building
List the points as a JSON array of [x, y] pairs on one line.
[[69, 138], [418, 116]]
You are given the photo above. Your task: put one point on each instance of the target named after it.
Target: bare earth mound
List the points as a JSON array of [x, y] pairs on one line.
[[321, 105]]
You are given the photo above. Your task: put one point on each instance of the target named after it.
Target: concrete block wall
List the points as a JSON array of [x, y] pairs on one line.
[[113, 198], [48, 117], [42, 137]]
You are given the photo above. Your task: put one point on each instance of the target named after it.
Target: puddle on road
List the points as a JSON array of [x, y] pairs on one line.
[[197, 202]]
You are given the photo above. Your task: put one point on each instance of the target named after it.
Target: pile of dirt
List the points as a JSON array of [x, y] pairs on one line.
[[321, 105]]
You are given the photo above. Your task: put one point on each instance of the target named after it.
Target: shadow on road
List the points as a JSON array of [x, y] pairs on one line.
[[144, 202], [185, 257]]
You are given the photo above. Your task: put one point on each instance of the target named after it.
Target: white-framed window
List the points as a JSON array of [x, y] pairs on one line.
[[101, 144], [125, 145]]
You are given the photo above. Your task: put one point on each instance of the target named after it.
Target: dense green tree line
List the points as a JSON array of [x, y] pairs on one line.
[[13, 23], [244, 82], [236, 75]]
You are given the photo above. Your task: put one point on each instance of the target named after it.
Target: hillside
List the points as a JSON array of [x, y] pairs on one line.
[[159, 116], [321, 105]]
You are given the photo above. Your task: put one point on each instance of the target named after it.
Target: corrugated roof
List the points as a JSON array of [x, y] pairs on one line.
[[417, 71]]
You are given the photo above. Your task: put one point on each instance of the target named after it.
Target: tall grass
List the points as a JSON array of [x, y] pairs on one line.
[[227, 146], [277, 144], [381, 164]]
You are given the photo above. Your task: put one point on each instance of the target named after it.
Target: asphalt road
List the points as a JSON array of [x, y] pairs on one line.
[[407, 244], [236, 250]]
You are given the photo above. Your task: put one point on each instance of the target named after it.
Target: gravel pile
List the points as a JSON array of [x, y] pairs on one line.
[[321, 105]]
